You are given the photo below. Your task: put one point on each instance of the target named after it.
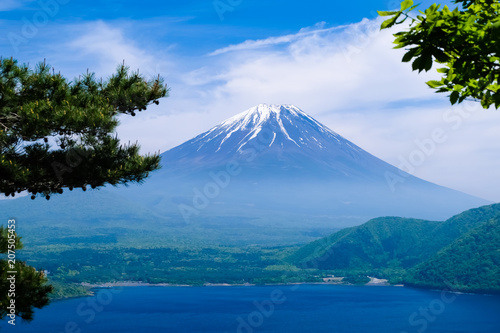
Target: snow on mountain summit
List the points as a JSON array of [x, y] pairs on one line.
[[275, 139], [276, 126], [258, 115]]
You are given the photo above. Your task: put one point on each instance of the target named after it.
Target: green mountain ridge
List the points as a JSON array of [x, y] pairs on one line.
[[471, 263], [429, 253], [371, 245]]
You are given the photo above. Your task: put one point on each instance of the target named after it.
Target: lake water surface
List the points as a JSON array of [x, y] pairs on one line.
[[290, 309]]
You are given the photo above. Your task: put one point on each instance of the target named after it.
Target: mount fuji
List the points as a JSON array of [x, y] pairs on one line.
[[275, 160], [277, 140]]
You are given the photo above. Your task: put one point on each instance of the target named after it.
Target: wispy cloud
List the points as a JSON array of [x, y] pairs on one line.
[[108, 46], [348, 67], [271, 41], [7, 5]]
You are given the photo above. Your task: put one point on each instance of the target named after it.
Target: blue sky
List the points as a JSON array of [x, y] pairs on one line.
[[223, 57]]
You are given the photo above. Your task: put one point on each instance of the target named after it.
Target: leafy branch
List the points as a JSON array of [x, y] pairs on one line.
[[465, 40]]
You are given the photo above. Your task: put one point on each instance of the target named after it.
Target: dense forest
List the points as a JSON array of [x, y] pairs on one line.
[[67, 268], [471, 263], [461, 252]]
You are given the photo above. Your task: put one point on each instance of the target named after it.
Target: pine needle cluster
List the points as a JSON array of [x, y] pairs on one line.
[[57, 134]]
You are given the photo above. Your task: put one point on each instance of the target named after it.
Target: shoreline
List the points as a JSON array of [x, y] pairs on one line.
[[326, 281], [147, 284], [377, 282], [94, 287], [373, 283]]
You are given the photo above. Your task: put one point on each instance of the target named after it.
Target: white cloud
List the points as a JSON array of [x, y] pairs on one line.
[[101, 47], [353, 81], [349, 78], [108, 46], [323, 69]]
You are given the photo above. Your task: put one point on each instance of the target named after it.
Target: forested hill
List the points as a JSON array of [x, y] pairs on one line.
[[381, 242], [470, 263], [420, 249]]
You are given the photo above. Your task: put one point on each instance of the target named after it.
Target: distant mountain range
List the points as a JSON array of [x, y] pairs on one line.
[[461, 252], [272, 168]]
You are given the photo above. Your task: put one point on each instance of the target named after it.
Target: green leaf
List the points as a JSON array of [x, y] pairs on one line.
[[390, 22], [386, 13], [493, 87], [434, 84], [454, 97], [409, 55], [412, 8], [441, 56], [406, 4], [427, 62], [416, 63]]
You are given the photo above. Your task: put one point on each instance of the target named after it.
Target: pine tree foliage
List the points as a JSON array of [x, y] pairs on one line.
[[31, 288], [465, 40], [57, 134]]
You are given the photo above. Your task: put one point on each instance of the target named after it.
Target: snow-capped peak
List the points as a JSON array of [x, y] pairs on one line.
[[261, 113], [273, 125]]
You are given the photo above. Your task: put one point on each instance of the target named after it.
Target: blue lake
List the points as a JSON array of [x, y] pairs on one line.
[[290, 309]]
